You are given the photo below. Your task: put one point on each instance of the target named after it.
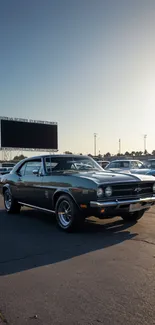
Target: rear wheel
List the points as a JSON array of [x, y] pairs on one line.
[[67, 214], [11, 205], [133, 216]]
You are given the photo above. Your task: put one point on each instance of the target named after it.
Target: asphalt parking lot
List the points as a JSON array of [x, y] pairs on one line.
[[103, 275]]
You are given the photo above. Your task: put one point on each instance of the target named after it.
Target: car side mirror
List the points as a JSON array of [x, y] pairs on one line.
[[35, 172]]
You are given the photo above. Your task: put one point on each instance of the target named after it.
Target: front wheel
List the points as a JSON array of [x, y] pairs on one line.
[[133, 216], [11, 206], [67, 214]]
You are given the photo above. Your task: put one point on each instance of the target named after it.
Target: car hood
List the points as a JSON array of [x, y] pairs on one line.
[[110, 177], [140, 171]]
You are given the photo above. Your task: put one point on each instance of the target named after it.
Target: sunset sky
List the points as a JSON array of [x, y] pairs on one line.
[[87, 64]]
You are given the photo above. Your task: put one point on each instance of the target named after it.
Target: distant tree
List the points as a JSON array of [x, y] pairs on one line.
[[68, 153], [18, 158], [127, 153], [119, 154], [137, 153], [107, 155], [90, 155], [153, 152], [145, 152]]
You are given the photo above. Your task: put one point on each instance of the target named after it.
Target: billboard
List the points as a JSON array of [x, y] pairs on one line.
[[28, 134]]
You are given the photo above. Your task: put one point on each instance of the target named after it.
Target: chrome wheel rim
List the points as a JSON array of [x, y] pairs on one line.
[[8, 200], [64, 213]]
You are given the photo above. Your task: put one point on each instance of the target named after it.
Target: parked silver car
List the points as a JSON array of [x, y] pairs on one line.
[[126, 166]]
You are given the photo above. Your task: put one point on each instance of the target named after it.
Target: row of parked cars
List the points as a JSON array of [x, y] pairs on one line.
[[130, 166], [74, 188]]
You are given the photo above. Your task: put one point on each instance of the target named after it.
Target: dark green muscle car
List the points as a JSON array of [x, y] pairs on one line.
[[74, 188]]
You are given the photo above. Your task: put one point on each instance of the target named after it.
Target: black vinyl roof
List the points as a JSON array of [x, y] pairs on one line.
[[47, 156]]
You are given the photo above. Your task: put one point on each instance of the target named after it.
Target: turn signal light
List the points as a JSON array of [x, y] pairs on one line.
[[84, 206]]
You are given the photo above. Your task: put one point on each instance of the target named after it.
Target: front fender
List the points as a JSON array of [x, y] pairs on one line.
[[5, 187], [60, 192]]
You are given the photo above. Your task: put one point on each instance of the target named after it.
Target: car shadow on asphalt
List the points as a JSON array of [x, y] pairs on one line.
[[32, 239]]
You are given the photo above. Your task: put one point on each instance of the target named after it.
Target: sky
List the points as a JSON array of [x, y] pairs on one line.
[[87, 64]]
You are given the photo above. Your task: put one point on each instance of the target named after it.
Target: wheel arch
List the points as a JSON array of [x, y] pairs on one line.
[[6, 187], [61, 192]]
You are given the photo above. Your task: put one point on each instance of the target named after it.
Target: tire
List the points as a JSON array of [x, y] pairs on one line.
[[71, 221], [128, 217], [11, 206]]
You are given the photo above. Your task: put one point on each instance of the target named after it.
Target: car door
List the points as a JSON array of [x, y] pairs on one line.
[[53, 179], [50, 183], [29, 182]]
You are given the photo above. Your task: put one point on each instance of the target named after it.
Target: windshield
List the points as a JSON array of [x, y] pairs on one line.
[[118, 164], [59, 164]]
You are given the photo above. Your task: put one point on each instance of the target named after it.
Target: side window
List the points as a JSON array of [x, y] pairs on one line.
[[21, 171], [153, 164], [140, 165], [117, 165], [112, 165], [56, 164], [33, 165], [134, 164], [125, 164], [50, 164]]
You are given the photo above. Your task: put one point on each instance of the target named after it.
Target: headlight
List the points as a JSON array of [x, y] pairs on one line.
[[108, 191], [154, 188], [99, 192]]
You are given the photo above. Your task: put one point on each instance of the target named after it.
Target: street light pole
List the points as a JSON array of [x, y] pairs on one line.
[[145, 137], [95, 135], [119, 146]]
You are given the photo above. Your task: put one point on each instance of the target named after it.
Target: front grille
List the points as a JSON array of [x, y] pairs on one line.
[[131, 190]]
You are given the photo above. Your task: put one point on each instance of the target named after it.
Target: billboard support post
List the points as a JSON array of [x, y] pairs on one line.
[[6, 155]]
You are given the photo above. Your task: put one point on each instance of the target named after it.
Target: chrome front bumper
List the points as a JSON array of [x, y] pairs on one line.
[[117, 203]]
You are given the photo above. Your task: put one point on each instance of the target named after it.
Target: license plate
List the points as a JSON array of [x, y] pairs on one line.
[[135, 207], [138, 206]]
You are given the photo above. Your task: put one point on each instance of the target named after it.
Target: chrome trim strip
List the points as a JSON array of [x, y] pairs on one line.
[[35, 207], [95, 204], [44, 186]]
